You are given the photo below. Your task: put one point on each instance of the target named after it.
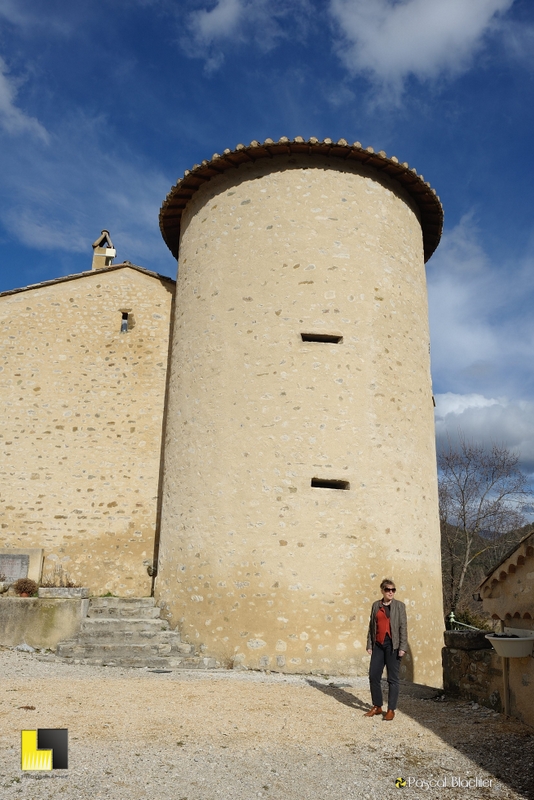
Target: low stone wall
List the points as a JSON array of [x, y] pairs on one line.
[[473, 674], [477, 675], [39, 622]]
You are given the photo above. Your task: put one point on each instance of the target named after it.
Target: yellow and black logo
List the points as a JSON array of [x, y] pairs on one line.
[[45, 749], [400, 783]]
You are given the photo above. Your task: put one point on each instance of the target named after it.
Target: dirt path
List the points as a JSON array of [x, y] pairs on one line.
[[205, 736]]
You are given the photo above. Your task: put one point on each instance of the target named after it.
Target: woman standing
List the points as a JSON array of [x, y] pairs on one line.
[[386, 644]]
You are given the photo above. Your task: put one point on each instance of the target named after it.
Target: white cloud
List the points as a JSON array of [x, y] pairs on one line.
[[220, 22], [13, 12], [482, 331], [518, 38], [62, 184], [228, 22], [485, 421], [59, 198], [392, 39], [12, 119], [28, 15], [450, 403], [388, 39]]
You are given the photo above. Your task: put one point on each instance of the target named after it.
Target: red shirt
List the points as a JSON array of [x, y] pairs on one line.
[[383, 626]]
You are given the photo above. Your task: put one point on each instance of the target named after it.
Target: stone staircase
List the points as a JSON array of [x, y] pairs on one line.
[[128, 632]]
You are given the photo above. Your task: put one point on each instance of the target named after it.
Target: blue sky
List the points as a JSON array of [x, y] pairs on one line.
[[103, 105]]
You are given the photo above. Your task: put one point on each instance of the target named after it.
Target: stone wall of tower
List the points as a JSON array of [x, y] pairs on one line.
[[82, 410], [263, 568]]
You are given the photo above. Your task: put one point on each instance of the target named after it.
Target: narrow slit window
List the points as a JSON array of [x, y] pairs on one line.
[[328, 338], [124, 322], [324, 483]]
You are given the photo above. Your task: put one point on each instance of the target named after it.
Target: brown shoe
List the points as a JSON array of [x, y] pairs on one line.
[[389, 715], [374, 711]]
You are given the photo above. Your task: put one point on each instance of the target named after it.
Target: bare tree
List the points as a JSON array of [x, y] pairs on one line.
[[481, 494]]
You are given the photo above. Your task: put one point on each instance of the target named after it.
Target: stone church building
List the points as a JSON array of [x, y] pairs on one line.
[[254, 444]]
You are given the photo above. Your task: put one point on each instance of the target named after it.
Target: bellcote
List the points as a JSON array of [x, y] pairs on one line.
[[103, 251]]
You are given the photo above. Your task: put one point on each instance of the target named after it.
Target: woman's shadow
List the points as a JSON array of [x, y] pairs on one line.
[[339, 694]]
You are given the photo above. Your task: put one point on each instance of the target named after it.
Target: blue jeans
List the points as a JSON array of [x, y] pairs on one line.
[[384, 656]]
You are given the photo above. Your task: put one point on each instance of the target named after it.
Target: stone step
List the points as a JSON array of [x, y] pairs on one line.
[[77, 649], [123, 608], [154, 662], [164, 637], [113, 626], [123, 613], [171, 638], [128, 632], [109, 602]]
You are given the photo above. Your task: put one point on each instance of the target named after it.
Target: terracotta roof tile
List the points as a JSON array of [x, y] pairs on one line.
[[422, 193]]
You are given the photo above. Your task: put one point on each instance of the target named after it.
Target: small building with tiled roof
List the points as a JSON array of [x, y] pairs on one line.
[[472, 667], [507, 592]]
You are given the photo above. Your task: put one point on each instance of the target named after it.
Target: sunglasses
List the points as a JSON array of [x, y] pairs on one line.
[[389, 589]]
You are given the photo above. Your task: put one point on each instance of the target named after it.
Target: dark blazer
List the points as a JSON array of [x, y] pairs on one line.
[[398, 623]]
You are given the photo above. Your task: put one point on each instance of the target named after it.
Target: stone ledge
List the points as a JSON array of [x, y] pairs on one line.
[[40, 622], [466, 640], [62, 592]]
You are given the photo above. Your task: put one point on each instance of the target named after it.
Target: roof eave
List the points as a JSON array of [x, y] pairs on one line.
[[424, 196]]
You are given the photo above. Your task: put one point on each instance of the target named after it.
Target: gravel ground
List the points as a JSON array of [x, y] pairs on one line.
[[135, 734]]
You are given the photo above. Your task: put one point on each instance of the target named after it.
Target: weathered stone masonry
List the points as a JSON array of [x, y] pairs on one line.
[[82, 409], [259, 559], [299, 464]]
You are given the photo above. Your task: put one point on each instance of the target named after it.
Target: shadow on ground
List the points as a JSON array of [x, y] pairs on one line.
[[502, 747]]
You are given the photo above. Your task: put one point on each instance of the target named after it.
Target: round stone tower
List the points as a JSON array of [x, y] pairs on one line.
[[299, 464]]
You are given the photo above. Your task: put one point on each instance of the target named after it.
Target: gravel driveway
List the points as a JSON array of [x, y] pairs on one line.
[[241, 735]]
